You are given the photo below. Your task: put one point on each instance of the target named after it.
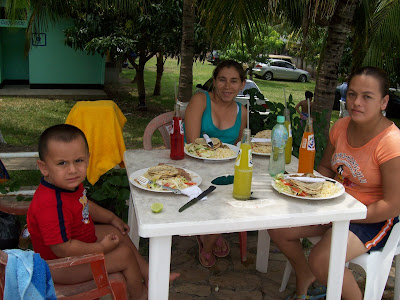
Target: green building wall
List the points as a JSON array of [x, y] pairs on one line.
[[54, 63], [15, 65]]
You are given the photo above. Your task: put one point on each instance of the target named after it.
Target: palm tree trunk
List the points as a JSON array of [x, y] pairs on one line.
[[338, 31], [2, 141], [160, 70], [187, 52]]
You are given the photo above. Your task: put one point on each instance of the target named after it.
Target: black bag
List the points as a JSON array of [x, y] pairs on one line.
[[10, 229]]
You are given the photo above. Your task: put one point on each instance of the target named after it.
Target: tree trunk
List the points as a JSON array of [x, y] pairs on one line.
[[338, 31], [160, 70], [139, 77], [2, 141], [187, 52]]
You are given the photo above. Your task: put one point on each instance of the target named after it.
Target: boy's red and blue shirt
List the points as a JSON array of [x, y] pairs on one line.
[[56, 216]]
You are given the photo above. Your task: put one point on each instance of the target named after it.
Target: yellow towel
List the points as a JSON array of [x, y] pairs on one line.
[[102, 122]]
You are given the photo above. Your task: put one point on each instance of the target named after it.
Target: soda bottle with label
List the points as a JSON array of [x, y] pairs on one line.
[[279, 138], [288, 147], [243, 169], [177, 138], [307, 149]]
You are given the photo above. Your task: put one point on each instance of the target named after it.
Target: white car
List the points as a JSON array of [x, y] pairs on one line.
[[280, 69]]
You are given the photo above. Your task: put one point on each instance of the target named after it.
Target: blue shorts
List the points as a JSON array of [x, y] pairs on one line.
[[373, 235]]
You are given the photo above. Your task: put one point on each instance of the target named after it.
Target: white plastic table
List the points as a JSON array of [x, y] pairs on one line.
[[216, 215]]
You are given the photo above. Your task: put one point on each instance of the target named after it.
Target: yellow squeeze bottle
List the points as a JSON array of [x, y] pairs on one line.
[[288, 147], [243, 169]]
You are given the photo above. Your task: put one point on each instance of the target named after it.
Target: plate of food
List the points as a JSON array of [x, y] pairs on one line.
[[221, 151], [261, 143], [174, 177], [307, 186]]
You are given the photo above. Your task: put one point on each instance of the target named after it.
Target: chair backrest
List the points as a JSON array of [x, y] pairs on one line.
[[103, 284], [392, 244], [163, 123]]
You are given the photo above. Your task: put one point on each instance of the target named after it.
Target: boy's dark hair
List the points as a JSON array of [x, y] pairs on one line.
[[62, 132], [378, 73], [309, 94], [230, 64]]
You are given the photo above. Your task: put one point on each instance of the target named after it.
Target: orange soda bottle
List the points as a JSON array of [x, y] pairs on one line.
[[307, 149]]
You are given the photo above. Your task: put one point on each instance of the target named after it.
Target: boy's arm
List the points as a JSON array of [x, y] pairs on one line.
[[77, 248], [100, 214], [298, 107], [104, 216]]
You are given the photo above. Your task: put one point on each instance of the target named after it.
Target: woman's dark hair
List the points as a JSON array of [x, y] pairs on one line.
[[62, 132], [378, 73], [230, 64]]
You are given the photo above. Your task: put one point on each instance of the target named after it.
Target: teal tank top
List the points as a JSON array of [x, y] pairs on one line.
[[229, 135]]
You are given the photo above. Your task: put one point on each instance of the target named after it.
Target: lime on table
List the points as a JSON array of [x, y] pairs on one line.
[[156, 207]]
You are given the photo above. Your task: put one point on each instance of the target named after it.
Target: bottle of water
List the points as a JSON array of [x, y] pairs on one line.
[[279, 138]]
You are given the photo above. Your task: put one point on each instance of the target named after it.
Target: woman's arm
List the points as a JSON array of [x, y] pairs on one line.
[[194, 113], [324, 167], [243, 124], [389, 206]]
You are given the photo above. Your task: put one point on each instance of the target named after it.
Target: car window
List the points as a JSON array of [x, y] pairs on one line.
[[275, 64], [289, 66], [281, 64]]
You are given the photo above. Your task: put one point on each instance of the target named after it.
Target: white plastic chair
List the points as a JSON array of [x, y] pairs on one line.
[[376, 264]]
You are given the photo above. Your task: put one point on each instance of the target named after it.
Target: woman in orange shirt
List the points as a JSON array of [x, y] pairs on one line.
[[363, 153]]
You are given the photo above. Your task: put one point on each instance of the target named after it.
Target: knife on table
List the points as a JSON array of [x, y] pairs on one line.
[[199, 197]]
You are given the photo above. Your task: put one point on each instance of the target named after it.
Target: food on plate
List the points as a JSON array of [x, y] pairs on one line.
[[264, 148], [306, 189], [200, 149], [163, 174]]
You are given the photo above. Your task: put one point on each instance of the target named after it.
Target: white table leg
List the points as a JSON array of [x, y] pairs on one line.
[[132, 222], [159, 267], [263, 242], [337, 259]]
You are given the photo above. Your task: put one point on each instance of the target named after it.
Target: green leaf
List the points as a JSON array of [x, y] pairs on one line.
[[115, 180], [98, 195]]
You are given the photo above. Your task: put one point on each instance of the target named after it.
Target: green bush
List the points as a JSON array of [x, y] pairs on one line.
[[111, 191]]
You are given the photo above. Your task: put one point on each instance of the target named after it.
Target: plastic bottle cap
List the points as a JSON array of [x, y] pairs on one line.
[[280, 119]]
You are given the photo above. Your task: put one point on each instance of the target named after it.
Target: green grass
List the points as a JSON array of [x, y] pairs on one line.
[[23, 119]]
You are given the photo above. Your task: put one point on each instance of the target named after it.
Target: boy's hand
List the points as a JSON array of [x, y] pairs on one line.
[[121, 225], [109, 242]]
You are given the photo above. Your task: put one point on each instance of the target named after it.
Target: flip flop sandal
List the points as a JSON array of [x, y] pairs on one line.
[[220, 243], [208, 257], [317, 291]]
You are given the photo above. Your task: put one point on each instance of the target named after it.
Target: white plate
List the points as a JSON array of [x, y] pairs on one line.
[[195, 178], [256, 153], [338, 184], [232, 147], [261, 154]]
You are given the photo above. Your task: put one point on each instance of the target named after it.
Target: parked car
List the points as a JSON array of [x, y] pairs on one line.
[[280, 69], [213, 57], [208, 86], [282, 57]]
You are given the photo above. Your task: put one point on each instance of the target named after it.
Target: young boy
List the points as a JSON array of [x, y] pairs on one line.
[[61, 218], [304, 106]]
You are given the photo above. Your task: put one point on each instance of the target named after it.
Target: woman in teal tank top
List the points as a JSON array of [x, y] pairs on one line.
[[217, 114]]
